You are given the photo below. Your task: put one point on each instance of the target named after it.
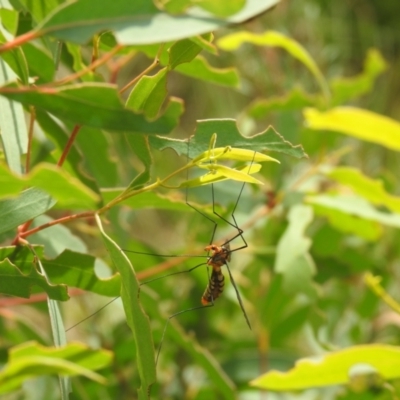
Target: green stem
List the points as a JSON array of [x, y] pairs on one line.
[[129, 193]]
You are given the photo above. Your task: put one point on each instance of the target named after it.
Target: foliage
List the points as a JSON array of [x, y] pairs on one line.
[[128, 145]]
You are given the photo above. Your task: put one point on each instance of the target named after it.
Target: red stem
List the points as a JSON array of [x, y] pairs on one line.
[[86, 214], [69, 145], [26, 37], [30, 136]]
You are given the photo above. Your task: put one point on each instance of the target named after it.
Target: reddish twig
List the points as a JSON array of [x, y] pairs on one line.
[[69, 144], [30, 136], [19, 40], [87, 214]]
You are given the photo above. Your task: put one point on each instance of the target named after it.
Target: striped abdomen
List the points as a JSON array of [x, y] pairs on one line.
[[215, 286]]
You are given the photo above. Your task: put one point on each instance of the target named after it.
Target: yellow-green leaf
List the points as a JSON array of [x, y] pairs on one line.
[[333, 368], [231, 173], [362, 124], [218, 176], [231, 153], [366, 187], [276, 39]]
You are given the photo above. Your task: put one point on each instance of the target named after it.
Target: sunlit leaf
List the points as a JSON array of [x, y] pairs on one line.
[[276, 39], [371, 189], [333, 368], [231, 173], [347, 223], [220, 175], [362, 124], [32, 359], [231, 153], [355, 206]]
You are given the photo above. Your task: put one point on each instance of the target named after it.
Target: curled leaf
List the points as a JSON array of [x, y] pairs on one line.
[[218, 176], [231, 153]]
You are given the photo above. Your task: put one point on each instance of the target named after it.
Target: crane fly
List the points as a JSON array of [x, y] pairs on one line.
[[218, 256]]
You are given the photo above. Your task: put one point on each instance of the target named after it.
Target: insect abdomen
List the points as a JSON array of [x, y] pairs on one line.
[[214, 288]]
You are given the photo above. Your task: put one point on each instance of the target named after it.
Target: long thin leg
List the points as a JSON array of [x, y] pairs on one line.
[[173, 316], [173, 273], [91, 315], [238, 295]]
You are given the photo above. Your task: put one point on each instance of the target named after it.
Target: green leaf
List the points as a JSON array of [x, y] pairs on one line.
[[57, 328], [40, 63], [138, 22], [346, 222], [293, 259], [224, 388], [174, 6], [139, 144], [59, 137], [149, 94], [200, 355], [183, 51], [333, 368], [345, 89], [77, 270], [356, 206], [231, 153], [231, 173], [136, 317], [362, 124], [78, 64], [56, 238], [275, 39], [9, 19], [374, 283], [12, 125], [18, 63], [28, 205], [221, 175], [96, 155], [372, 190], [222, 8], [67, 190], [31, 359], [205, 42], [227, 135], [94, 104], [19, 283], [39, 10], [199, 68], [296, 99]]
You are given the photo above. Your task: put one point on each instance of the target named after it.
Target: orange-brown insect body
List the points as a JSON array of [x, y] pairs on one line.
[[219, 256]]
